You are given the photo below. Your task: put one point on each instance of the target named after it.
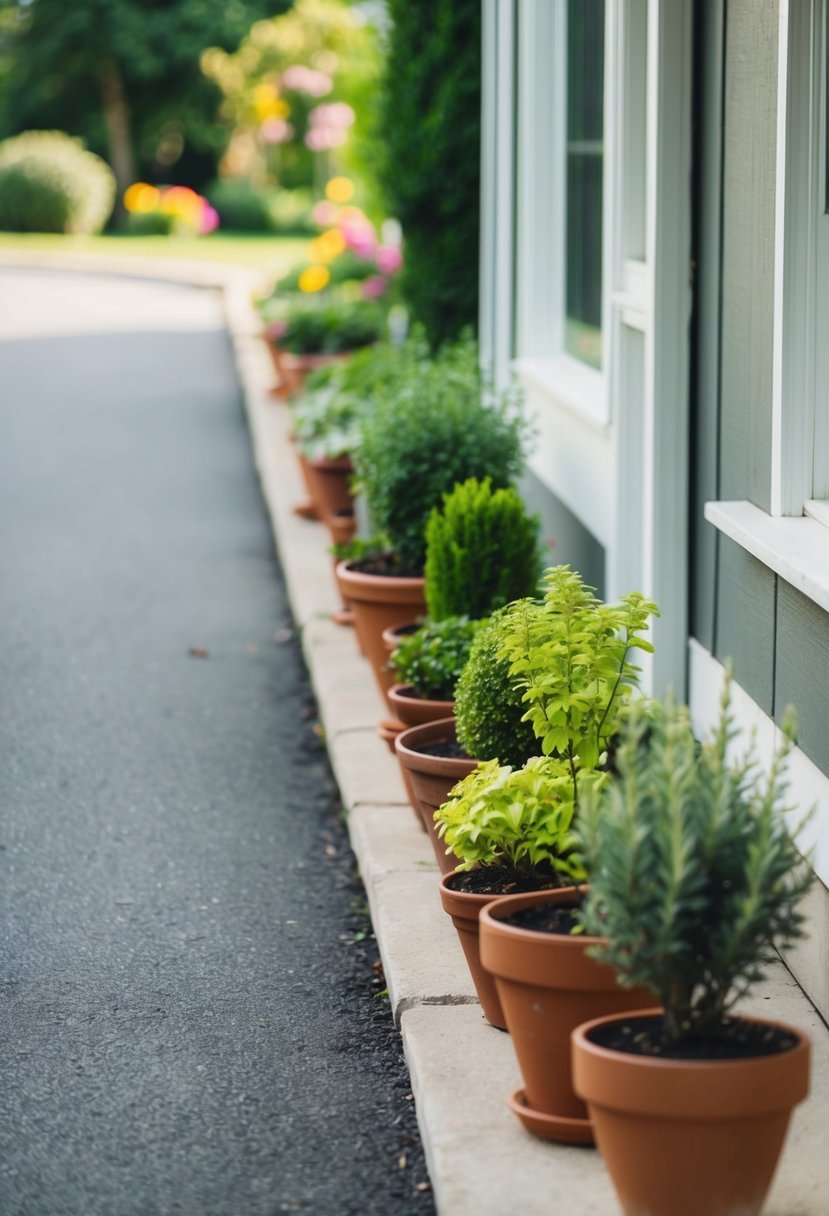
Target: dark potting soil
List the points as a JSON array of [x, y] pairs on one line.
[[386, 565], [498, 880], [448, 749], [547, 918], [740, 1040]]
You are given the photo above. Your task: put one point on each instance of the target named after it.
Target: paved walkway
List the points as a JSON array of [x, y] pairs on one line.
[[177, 1008]]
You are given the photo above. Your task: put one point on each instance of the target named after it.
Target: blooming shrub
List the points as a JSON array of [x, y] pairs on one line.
[[169, 209]]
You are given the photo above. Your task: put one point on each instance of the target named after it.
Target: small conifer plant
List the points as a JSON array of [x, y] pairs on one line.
[[694, 875], [481, 551]]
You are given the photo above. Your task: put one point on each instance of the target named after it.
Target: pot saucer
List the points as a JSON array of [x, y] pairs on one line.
[[342, 616], [550, 1127]]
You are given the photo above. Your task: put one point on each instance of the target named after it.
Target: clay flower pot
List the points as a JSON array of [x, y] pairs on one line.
[[330, 481], [465, 908], [683, 1137], [429, 778], [379, 601], [342, 527], [410, 710], [294, 369], [548, 986], [415, 711]]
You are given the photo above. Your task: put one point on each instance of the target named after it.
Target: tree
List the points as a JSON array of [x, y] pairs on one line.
[[124, 74], [432, 171]]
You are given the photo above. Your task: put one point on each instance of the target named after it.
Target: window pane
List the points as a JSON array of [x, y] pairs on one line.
[[585, 164]]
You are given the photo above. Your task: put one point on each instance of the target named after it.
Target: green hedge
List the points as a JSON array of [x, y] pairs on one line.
[[431, 127], [50, 183]]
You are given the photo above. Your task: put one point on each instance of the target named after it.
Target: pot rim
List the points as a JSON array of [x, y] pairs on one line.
[[582, 1042], [357, 577], [396, 694], [507, 904]]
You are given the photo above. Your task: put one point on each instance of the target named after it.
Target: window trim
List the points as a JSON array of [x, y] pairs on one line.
[[801, 121]]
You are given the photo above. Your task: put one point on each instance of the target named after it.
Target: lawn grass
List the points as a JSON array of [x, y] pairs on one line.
[[273, 255]]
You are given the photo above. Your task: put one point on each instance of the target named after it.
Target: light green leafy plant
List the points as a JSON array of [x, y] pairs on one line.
[[695, 877], [432, 658], [570, 654], [481, 550], [521, 819]]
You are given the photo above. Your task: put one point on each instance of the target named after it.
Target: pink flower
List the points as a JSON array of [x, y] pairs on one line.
[[275, 131], [275, 330], [209, 221], [373, 288], [324, 213], [307, 80], [360, 238], [389, 259]]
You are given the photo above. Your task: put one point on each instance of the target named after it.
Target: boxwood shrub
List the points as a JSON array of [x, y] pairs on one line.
[[50, 183]]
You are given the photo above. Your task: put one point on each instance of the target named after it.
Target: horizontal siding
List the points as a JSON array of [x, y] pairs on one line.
[[746, 620], [802, 669]]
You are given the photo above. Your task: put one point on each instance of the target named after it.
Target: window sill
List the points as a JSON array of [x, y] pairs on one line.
[[796, 548], [573, 385]]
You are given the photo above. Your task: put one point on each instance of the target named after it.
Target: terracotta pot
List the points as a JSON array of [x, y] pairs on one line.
[[685, 1137], [548, 986], [329, 479], [414, 711], [394, 635], [465, 909], [307, 509], [295, 369], [342, 527], [430, 778], [379, 601]]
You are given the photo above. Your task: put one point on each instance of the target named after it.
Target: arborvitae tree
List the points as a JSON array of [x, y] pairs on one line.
[[432, 171]]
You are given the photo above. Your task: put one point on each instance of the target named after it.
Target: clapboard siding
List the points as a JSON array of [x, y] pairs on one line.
[[746, 621], [802, 670]]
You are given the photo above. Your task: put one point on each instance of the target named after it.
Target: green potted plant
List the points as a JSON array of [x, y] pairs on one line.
[[427, 664], [487, 725], [437, 423], [482, 551], [310, 334], [695, 880]]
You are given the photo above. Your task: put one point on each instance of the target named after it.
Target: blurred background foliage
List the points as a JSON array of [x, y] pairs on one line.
[[125, 75], [265, 106]]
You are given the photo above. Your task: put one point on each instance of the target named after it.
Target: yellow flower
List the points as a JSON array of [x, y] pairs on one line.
[[339, 189], [141, 196], [326, 246], [268, 104], [314, 278]]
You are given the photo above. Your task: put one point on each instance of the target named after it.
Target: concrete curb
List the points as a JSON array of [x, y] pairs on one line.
[[480, 1160]]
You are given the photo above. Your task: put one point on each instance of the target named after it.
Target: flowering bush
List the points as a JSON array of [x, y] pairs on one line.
[[169, 209]]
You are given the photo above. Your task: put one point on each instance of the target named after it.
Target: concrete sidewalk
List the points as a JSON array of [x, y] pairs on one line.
[[480, 1160]]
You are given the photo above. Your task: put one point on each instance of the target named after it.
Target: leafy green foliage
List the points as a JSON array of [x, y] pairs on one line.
[[571, 656], [439, 424], [488, 708], [326, 420], [50, 183], [694, 876], [246, 207], [431, 659], [519, 818], [312, 328], [61, 61], [481, 551], [431, 134]]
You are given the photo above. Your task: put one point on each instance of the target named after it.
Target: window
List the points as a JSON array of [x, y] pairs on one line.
[[584, 171]]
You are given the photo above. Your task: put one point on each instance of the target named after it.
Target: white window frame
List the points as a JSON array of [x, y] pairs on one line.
[[541, 357], [792, 538]]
